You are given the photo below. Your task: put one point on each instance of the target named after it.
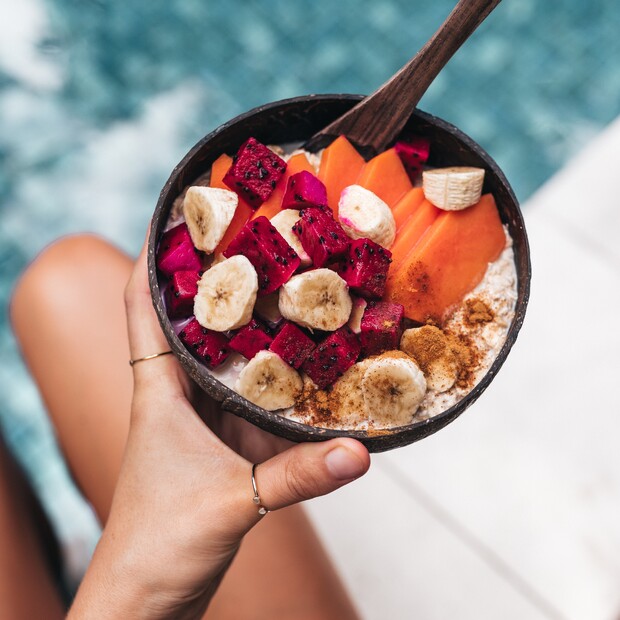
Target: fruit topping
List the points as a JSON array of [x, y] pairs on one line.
[[355, 319], [332, 357], [453, 189], [381, 327], [208, 212], [211, 347], [304, 190], [267, 309], [284, 222], [432, 351], [340, 166], [180, 294], [448, 261], [269, 382], [322, 237], [255, 172], [292, 345], [413, 152], [251, 339], [317, 299], [385, 176], [226, 295], [177, 252], [394, 386], [364, 215], [273, 258], [365, 267]]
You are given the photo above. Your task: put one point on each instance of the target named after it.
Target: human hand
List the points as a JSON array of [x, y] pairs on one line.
[[183, 501]]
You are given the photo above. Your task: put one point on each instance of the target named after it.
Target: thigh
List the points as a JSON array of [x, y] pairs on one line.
[[68, 315], [27, 586]]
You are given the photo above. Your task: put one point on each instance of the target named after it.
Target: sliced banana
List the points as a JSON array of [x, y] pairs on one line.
[[267, 308], [347, 394], [226, 294], [393, 388], [453, 189], [355, 318], [283, 222], [208, 212], [364, 215], [269, 382], [317, 299], [430, 348]]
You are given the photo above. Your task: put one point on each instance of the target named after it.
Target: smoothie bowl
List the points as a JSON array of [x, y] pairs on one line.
[[366, 306]]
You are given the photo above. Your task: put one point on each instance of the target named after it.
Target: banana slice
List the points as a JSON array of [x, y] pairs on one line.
[[283, 223], [430, 348], [364, 215], [393, 388], [226, 294], [318, 299], [269, 382], [355, 318], [453, 189], [208, 212]]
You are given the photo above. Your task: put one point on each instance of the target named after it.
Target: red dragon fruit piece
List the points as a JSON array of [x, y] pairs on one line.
[[209, 346], [304, 190], [255, 172], [250, 339], [292, 345], [333, 357], [176, 252], [364, 268], [413, 152], [180, 293], [381, 327], [321, 235], [273, 258]]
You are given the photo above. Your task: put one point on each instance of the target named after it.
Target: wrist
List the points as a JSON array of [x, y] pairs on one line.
[[119, 583]]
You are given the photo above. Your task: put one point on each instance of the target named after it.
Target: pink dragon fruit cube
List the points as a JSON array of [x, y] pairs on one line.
[[304, 190], [255, 172], [273, 258], [176, 252]]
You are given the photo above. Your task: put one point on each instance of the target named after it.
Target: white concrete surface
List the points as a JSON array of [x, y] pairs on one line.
[[513, 511]]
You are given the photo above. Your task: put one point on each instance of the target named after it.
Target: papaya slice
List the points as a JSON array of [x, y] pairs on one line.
[[340, 166], [385, 176], [449, 261], [243, 211], [411, 232], [407, 206], [273, 204]]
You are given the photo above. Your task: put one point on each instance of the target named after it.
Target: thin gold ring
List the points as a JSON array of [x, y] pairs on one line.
[[256, 499], [149, 357]]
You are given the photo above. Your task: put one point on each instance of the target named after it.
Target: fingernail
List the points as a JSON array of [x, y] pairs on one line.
[[344, 464]]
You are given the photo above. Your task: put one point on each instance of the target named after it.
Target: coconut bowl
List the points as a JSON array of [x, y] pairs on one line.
[[295, 120]]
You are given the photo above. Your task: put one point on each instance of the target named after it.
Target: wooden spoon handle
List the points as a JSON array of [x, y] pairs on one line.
[[374, 122]]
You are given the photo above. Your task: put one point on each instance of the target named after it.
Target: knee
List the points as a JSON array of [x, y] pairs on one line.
[[61, 273]]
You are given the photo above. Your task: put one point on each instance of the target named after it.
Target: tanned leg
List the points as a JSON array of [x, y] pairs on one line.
[[27, 589], [68, 315]]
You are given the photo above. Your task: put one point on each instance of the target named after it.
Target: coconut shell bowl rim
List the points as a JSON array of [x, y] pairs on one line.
[[295, 120]]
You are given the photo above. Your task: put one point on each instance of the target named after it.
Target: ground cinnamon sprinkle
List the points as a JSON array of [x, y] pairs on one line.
[[426, 345], [476, 311], [468, 359]]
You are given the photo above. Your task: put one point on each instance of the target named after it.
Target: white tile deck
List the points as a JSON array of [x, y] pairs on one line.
[[513, 511]]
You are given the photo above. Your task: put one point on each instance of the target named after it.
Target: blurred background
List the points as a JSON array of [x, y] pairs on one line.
[[100, 99]]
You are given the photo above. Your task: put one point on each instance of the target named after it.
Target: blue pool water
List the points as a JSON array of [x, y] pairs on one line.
[[99, 100]]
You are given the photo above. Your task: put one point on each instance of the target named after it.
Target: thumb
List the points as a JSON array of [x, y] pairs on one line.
[[309, 470]]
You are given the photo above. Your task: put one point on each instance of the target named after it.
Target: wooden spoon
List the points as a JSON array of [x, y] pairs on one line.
[[374, 122]]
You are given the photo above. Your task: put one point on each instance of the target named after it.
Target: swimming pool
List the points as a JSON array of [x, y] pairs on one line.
[[98, 101]]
